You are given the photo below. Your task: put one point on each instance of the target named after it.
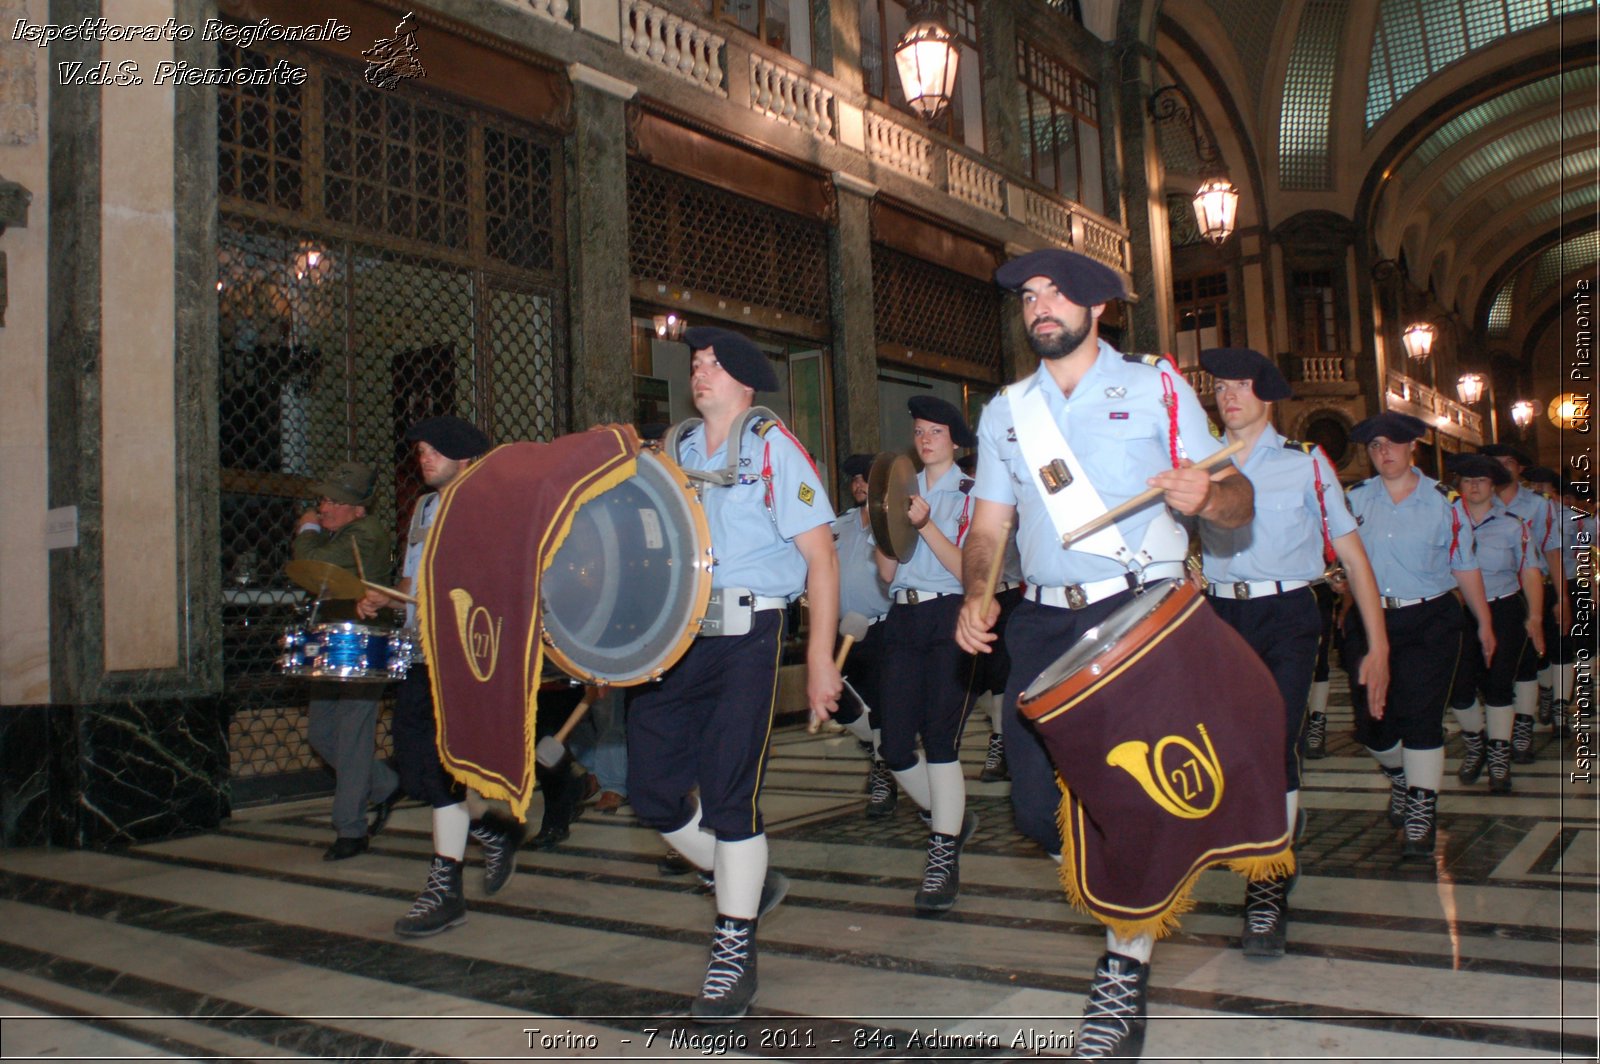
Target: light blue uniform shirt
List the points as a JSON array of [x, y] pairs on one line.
[[754, 547], [1284, 540], [861, 590], [947, 504], [1538, 511], [1504, 550], [1409, 541], [1118, 426], [416, 536]]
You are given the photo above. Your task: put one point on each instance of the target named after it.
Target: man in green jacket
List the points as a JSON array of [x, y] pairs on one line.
[[344, 714]]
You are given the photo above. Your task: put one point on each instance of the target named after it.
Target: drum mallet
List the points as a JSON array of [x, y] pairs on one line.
[[552, 749], [1143, 498], [853, 626]]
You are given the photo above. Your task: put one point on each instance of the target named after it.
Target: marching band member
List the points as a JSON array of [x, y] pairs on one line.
[[863, 591], [445, 447], [1507, 558], [1419, 540], [1575, 531], [1120, 419], [708, 722], [1546, 482], [342, 717], [1259, 577], [927, 679], [1540, 514]]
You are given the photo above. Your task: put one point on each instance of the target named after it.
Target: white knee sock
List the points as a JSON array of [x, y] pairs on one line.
[[861, 728], [741, 869], [1546, 674], [1318, 701], [1291, 806], [699, 847], [450, 826], [1527, 697], [1562, 688], [949, 796], [1425, 768], [1390, 758], [1139, 947], [1470, 719], [1500, 722], [914, 781], [996, 712]]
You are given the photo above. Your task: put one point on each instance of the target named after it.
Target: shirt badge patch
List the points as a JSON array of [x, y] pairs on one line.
[[1116, 392], [1011, 434], [806, 494], [1119, 415]]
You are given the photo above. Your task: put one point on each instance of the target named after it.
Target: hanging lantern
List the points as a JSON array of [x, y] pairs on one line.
[[1216, 206], [1470, 388], [1569, 411], [1418, 340], [1522, 412], [927, 56]]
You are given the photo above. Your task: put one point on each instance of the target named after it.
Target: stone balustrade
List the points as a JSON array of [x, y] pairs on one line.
[[552, 11], [677, 45], [977, 184], [783, 95]]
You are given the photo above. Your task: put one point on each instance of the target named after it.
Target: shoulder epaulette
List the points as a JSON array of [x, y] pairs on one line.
[[966, 485], [764, 426], [1150, 360], [1450, 494], [1303, 446]]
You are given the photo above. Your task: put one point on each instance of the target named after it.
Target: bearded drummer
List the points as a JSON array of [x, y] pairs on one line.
[[708, 722], [444, 446], [1419, 539], [1260, 578], [1132, 423], [927, 679]]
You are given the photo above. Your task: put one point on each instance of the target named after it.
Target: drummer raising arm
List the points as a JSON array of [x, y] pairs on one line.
[[707, 724], [1134, 424]]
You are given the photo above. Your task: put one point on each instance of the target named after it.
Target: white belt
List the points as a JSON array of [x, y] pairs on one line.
[[911, 596], [767, 602], [1077, 596], [1249, 589], [1401, 603], [1508, 594]]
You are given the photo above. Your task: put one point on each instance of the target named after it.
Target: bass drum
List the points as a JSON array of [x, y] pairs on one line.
[[627, 590]]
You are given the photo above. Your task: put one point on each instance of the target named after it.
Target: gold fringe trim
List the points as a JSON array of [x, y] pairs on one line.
[[494, 789], [1168, 920]]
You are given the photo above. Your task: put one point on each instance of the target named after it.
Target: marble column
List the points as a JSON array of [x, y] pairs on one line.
[[855, 344], [597, 249], [1002, 97]]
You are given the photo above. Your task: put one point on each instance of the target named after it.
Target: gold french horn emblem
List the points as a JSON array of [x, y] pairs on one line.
[[1175, 790], [479, 632]]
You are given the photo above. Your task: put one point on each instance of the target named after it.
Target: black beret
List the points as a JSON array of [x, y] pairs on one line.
[[1542, 475], [450, 436], [1505, 450], [742, 359], [1398, 428], [1243, 364], [1478, 465], [1081, 279], [857, 465], [941, 412]]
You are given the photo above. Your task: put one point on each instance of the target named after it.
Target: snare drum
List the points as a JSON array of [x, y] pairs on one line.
[[1166, 731], [346, 651]]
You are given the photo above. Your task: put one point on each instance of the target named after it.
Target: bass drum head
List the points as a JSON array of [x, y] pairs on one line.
[[627, 589], [1103, 639]]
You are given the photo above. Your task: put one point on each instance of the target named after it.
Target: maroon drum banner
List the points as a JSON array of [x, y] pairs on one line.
[[498, 527], [1170, 762]]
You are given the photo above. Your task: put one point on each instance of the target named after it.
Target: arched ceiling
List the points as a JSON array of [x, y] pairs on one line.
[[1482, 170]]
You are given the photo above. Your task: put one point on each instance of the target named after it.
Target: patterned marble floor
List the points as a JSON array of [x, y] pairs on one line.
[[244, 944]]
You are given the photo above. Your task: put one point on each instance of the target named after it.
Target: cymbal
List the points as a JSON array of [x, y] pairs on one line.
[[324, 579], [890, 485]]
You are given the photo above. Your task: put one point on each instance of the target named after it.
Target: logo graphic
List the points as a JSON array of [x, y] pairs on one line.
[[479, 632], [806, 494], [1174, 785]]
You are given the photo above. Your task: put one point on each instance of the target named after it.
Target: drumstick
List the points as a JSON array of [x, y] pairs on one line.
[[1143, 498], [854, 626], [553, 748], [394, 593]]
